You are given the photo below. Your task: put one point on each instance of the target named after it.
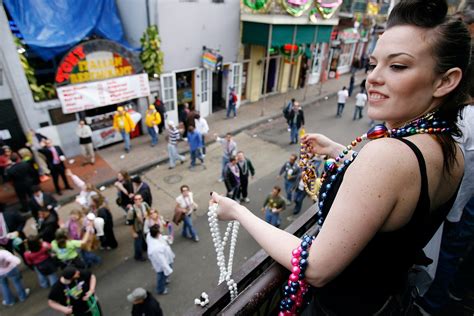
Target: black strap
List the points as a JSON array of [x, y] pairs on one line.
[[424, 193]]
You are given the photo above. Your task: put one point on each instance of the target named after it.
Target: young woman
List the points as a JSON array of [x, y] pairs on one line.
[[100, 209], [124, 190], [38, 256], [68, 251], [379, 210]]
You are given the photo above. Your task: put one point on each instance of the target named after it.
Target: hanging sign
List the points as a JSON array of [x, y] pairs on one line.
[[211, 60], [80, 97], [96, 60]]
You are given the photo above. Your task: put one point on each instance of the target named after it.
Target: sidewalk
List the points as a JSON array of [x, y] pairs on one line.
[[142, 156]]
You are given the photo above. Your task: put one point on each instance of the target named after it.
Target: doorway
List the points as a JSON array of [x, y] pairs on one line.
[[272, 79], [218, 102]]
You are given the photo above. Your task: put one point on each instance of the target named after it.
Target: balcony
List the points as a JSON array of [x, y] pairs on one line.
[[260, 280]]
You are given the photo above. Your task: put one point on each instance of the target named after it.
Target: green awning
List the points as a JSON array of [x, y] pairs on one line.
[[257, 34]]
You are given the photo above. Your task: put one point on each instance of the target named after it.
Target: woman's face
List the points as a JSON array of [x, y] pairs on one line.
[[154, 215], [119, 176], [402, 81], [74, 217]]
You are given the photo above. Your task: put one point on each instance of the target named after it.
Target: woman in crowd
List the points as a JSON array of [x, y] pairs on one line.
[[154, 218], [87, 190], [100, 209], [67, 251], [38, 256], [124, 190], [380, 207]]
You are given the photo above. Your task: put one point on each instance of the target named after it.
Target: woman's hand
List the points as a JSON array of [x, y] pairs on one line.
[[322, 145], [228, 209]]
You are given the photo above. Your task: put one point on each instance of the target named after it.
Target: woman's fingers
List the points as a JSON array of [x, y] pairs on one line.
[[215, 197]]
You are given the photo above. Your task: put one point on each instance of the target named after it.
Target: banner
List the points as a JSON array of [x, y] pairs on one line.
[[80, 97]]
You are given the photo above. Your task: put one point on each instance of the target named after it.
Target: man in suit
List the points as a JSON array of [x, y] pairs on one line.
[[54, 158], [22, 174], [41, 200]]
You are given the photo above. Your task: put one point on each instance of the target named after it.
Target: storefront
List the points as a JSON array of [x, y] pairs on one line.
[[348, 43], [96, 77]]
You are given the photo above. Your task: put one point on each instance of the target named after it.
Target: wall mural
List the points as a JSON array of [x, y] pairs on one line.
[[296, 7], [323, 9]]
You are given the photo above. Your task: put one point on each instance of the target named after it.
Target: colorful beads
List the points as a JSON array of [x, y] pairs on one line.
[[378, 131]]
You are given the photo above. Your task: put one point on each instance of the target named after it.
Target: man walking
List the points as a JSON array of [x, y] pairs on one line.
[[173, 137], [54, 158], [185, 204], [195, 145], [246, 169], [296, 118], [84, 132], [342, 96], [161, 257], [232, 179], [124, 124], [286, 112], [229, 147], [160, 107], [23, 176], [143, 189], [144, 304], [361, 100], [152, 120], [203, 128], [136, 216], [232, 103], [272, 207], [291, 172]]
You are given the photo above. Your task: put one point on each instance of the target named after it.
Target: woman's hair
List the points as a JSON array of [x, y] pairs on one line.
[[77, 212], [25, 153], [98, 199], [61, 237], [184, 186], [33, 243], [451, 47], [125, 175]]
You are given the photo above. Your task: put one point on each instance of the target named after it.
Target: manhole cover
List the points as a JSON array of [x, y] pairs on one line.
[[172, 179]]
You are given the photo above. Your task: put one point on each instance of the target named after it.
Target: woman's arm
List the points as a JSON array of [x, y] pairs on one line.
[[365, 200]]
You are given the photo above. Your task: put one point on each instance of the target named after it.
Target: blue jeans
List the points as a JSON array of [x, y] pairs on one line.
[[188, 229], [454, 244], [225, 161], [289, 185], [160, 282], [46, 281], [196, 154], [173, 155], [15, 276], [358, 112], [231, 108], [138, 246], [90, 258], [340, 108], [272, 218], [126, 139], [153, 135], [299, 198], [294, 133]]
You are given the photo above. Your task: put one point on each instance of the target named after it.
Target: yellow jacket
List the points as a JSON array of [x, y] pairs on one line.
[[123, 122], [152, 119]]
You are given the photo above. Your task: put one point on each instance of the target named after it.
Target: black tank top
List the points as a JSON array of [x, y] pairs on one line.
[[381, 269]]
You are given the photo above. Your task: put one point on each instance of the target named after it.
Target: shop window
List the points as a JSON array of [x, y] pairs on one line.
[[58, 117], [317, 58]]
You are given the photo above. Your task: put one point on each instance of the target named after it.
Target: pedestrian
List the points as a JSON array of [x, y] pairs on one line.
[[142, 188], [47, 224], [38, 256], [361, 101], [124, 124], [22, 175], [84, 132], [186, 206], [296, 118], [232, 179], [144, 304], [286, 112], [183, 118], [95, 226], [68, 251], [191, 117], [100, 209], [12, 223], [124, 188], [160, 107], [291, 173], [342, 96], [273, 205], [74, 293], [195, 145], [154, 218], [152, 121], [40, 200], [232, 105], [229, 147], [136, 216], [87, 190], [9, 271], [161, 257], [203, 128], [55, 159], [173, 137], [351, 84], [246, 170], [299, 196]]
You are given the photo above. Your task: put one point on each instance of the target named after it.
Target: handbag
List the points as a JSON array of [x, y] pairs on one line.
[[47, 266], [178, 216]]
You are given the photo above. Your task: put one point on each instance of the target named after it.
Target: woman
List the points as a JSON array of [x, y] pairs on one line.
[[124, 190], [100, 209], [68, 251], [87, 190], [38, 256], [379, 211], [185, 205], [154, 218]]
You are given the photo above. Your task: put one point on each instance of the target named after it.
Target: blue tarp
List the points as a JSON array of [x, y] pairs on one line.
[[51, 27]]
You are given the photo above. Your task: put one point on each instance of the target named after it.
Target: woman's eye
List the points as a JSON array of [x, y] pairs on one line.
[[398, 67], [372, 67]]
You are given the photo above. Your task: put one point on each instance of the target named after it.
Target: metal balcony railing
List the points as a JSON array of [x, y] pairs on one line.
[[260, 280]]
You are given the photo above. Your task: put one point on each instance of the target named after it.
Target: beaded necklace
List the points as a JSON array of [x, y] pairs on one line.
[[297, 288]]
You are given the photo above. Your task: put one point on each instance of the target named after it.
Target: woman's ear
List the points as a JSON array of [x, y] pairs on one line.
[[448, 82]]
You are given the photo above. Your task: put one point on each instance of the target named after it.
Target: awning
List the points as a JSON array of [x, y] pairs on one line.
[[257, 34]]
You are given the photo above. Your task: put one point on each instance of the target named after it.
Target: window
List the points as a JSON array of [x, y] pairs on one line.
[[204, 85], [58, 117]]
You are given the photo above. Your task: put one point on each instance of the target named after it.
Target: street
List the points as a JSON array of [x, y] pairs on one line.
[[195, 268]]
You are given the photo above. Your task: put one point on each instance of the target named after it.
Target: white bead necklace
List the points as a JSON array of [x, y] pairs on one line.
[[219, 245]]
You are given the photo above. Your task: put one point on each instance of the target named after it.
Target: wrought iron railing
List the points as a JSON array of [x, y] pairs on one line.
[[260, 281]]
